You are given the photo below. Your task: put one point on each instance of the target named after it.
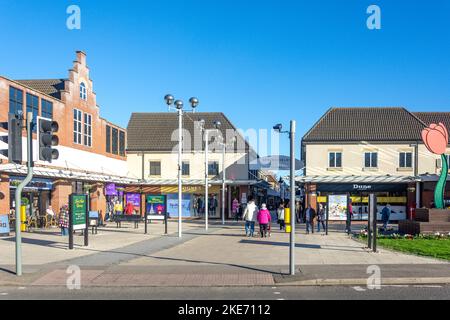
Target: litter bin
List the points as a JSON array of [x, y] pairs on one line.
[[23, 218]]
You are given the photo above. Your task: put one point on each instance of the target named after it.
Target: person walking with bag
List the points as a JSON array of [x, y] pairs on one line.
[[280, 216], [310, 215], [264, 220], [64, 221], [321, 218], [250, 218]]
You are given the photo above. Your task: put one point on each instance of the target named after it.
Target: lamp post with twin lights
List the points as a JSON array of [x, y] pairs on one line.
[[178, 105]]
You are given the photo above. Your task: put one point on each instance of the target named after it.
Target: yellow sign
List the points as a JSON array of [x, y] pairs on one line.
[[189, 189], [399, 200]]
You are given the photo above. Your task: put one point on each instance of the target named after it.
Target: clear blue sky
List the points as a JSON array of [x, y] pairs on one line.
[[260, 62]]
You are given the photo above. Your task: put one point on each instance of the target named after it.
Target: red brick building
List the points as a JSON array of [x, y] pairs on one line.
[[92, 149]]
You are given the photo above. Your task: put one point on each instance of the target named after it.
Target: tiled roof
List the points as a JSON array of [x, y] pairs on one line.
[[366, 124], [434, 117], [154, 131], [51, 87]]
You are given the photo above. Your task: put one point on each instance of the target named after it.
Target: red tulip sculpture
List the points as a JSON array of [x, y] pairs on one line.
[[435, 138]]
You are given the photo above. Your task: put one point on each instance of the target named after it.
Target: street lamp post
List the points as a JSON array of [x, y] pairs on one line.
[[179, 107], [291, 133]]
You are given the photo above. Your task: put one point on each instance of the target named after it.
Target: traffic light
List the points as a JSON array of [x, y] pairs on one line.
[[13, 139], [47, 139]]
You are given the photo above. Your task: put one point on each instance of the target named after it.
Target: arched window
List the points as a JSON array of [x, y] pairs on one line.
[[83, 91]]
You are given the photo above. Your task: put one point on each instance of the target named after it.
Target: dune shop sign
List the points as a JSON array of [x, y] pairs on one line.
[[78, 216]]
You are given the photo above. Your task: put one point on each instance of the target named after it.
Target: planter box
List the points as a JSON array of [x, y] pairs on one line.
[[428, 221]]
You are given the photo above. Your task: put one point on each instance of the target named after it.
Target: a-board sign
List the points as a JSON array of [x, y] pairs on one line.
[[78, 211], [4, 225]]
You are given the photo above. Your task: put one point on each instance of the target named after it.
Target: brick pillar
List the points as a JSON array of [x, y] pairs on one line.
[[98, 199], [4, 194], [60, 194], [311, 196]]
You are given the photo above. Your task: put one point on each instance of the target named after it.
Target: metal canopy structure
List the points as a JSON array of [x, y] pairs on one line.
[[44, 172]]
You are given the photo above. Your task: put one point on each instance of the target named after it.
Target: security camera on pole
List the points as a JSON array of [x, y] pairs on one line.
[[279, 128], [170, 100]]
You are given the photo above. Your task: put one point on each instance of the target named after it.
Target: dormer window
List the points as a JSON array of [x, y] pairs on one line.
[[83, 91]]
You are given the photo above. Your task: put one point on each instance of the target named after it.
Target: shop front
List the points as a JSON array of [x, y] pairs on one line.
[[36, 196], [193, 201], [336, 196]]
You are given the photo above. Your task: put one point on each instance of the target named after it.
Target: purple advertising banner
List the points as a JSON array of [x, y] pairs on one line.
[[134, 198], [110, 189]]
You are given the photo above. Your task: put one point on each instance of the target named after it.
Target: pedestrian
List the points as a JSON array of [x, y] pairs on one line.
[[235, 209], [298, 212], [118, 208], [64, 220], [349, 217], [386, 216], [129, 209], [321, 218], [310, 215], [264, 220], [250, 218], [280, 216]]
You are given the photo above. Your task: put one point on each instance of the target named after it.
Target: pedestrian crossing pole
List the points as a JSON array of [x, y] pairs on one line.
[[19, 190]]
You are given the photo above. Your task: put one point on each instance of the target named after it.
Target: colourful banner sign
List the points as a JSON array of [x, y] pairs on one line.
[[133, 198], [338, 205], [156, 205]]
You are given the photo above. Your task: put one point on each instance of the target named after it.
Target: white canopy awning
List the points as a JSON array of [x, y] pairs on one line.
[[43, 172]]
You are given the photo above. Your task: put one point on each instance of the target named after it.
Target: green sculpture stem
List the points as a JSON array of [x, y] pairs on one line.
[[440, 187]]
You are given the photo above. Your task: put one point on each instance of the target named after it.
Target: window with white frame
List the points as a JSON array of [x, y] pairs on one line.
[[155, 168], [77, 126], [88, 130], [405, 160], [335, 159], [185, 168], [83, 91], [371, 159]]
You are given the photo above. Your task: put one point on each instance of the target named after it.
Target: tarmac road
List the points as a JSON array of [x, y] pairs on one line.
[[229, 293]]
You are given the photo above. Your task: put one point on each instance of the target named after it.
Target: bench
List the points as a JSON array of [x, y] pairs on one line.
[[119, 218]]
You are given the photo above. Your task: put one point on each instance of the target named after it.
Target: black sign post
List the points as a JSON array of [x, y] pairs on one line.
[[86, 231], [70, 224], [374, 221], [328, 213], [146, 222], [369, 221], [165, 222]]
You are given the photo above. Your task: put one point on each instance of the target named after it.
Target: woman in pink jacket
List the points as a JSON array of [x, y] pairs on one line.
[[264, 219]]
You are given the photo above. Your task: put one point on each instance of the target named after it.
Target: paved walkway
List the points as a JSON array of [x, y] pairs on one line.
[[223, 256]]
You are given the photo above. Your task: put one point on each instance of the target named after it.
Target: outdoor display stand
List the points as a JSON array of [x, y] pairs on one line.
[[156, 210], [78, 217], [4, 226], [94, 218]]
